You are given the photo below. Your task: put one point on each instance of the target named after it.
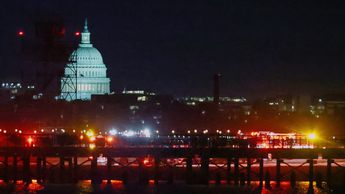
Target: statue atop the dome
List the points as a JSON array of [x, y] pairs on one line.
[[85, 36], [85, 26]]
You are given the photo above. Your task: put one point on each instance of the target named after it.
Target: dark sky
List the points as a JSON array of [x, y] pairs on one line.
[[174, 47]]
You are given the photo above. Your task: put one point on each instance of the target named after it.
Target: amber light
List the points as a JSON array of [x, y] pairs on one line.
[[30, 140], [109, 139]]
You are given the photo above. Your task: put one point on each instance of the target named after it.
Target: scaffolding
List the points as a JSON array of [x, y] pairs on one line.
[[69, 83]]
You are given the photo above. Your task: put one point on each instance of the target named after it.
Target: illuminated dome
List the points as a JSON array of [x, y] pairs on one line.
[[86, 56], [85, 72]]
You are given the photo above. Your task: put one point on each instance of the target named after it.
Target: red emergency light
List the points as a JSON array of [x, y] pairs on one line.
[[21, 33]]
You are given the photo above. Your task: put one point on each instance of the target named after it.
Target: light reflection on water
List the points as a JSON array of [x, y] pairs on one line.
[[85, 187]]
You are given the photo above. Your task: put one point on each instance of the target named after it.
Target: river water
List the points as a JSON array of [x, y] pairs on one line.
[[85, 187]]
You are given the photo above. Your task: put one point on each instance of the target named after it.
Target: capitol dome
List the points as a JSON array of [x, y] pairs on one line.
[[85, 73], [86, 56]]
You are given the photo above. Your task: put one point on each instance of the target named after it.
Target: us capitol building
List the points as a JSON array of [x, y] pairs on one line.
[[85, 73]]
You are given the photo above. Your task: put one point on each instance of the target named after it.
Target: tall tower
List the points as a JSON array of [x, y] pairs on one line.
[[216, 78], [85, 72]]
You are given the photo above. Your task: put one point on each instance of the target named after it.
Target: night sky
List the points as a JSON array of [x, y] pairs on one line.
[[261, 48]]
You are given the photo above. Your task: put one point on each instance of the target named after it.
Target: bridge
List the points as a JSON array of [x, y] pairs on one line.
[[195, 165]]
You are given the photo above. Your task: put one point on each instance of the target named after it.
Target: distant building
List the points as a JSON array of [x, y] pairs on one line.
[[139, 106], [85, 73], [195, 100], [133, 98], [15, 90], [330, 104], [8, 90], [304, 103], [283, 103]]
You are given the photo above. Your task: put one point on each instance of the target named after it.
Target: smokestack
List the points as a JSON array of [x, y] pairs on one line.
[[216, 78]]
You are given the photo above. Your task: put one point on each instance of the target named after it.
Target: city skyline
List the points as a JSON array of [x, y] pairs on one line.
[[172, 97], [175, 48]]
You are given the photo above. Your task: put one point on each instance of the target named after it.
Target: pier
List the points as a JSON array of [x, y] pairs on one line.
[[196, 166]]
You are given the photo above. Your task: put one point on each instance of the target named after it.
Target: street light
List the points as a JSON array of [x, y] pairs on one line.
[[109, 139], [311, 136], [30, 141]]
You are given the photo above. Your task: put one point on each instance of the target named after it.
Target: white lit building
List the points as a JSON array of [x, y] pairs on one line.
[[85, 73]]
